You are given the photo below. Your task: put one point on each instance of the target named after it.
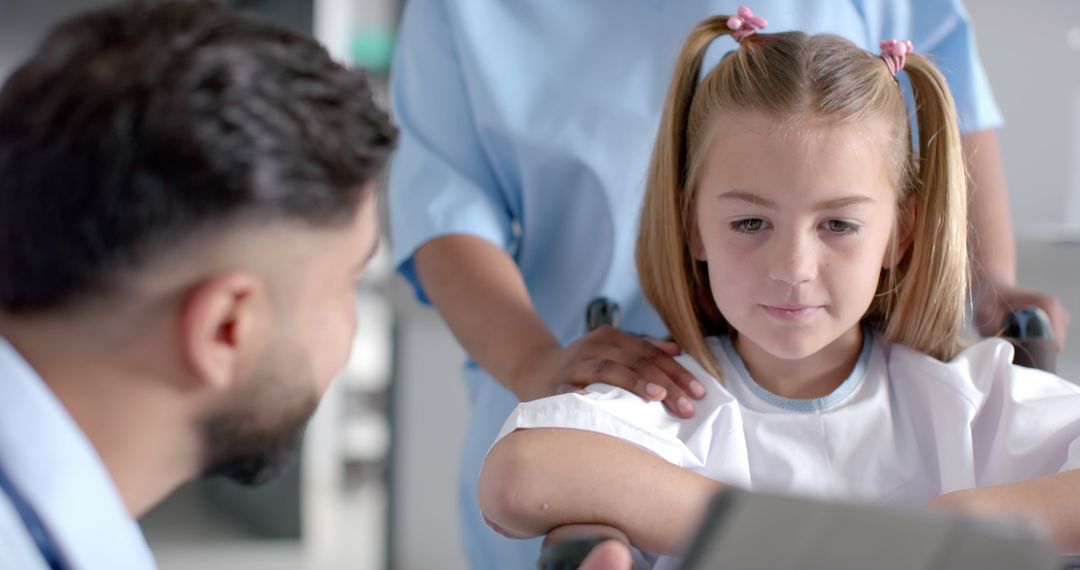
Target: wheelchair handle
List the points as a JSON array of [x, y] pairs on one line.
[[1029, 331]]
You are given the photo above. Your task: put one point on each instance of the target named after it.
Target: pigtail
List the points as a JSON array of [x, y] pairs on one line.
[[928, 313], [671, 279]]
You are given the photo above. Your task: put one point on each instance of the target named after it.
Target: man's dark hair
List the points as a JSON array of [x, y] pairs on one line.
[[136, 126]]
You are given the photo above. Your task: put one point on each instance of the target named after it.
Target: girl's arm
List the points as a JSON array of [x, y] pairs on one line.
[[1052, 501], [535, 480]]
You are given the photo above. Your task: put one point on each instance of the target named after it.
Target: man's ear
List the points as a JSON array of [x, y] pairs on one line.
[[224, 326], [905, 233]]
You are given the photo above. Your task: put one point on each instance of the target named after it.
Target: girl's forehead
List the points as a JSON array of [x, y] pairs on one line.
[[756, 127], [809, 153]]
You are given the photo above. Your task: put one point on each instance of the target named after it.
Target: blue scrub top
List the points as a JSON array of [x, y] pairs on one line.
[[530, 123]]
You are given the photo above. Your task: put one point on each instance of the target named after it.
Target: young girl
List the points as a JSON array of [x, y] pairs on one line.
[[813, 264]]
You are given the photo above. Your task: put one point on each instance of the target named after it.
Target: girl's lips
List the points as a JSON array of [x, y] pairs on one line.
[[792, 313]]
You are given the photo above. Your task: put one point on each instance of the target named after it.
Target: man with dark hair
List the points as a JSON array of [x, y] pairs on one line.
[[186, 201]]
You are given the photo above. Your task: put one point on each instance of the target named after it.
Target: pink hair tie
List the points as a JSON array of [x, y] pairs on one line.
[[745, 24], [894, 52]]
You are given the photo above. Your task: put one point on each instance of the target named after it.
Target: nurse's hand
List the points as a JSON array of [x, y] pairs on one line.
[[993, 304], [641, 365]]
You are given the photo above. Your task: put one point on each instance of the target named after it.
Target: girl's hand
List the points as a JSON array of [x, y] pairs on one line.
[[608, 555], [611, 554], [643, 366], [964, 502], [984, 502], [1050, 502]]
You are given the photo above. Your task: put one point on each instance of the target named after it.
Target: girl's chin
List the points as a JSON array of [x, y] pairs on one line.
[[790, 344]]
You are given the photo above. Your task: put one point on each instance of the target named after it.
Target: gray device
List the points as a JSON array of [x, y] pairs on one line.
[[751, 531]]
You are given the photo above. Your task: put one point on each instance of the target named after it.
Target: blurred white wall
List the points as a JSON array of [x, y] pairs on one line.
[[430, 416], [1031, 52]]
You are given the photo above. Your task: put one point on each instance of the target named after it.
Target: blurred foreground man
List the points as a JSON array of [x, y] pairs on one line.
[[186, 202]]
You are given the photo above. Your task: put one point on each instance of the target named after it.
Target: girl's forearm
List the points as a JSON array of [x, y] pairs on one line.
[[538, 479], [1052, 501]]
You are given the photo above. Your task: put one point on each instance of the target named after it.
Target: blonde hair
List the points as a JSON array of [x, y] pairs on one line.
[[920, 300]]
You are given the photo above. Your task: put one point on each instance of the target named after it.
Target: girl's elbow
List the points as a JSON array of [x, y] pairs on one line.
[[504, 491]]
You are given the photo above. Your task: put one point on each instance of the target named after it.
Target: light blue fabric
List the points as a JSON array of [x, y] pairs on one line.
[[529, 123], [57, 472], [804, 405]]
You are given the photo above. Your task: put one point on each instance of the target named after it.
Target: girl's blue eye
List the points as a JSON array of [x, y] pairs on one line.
[[749, 225], [841, 227]]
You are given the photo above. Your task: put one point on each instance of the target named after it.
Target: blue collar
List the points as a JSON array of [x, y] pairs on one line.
[[53, 468], [821, 404], [45, 544]]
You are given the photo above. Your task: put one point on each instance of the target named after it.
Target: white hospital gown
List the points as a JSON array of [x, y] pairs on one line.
[[903, 428]]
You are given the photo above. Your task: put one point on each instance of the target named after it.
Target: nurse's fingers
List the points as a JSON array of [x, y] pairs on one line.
[[638, 375], [992, 309], [641, 365], [675, 397], [567, 388], [1059, 319], [667, 346], [654, 368], [1061, 327], [681, 376], [614, 372], [662, 358]]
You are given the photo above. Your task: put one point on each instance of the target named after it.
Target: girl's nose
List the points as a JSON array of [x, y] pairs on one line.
[[794, 259]]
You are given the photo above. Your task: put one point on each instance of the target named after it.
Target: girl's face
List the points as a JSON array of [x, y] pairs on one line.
[[795, 225]]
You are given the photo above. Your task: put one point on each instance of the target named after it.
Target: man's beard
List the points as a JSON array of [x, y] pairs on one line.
[[255, 434]]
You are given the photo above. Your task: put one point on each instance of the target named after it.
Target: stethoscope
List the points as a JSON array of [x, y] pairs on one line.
[[48, 548], [601, 311]]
